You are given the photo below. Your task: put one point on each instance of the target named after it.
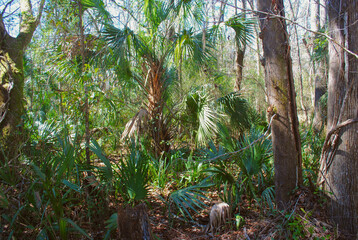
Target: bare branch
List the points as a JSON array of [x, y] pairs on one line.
[[28, 22], [296, 23], [38, 18], [7, 4], [3, 31], [328, 143]]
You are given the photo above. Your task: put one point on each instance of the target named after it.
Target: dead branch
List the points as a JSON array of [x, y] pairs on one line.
[[297, 24]]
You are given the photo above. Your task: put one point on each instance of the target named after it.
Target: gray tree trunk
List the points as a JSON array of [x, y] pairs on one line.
[[341, 159], [282, 100]]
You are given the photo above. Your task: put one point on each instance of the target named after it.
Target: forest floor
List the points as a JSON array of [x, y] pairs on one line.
[[305, 219]]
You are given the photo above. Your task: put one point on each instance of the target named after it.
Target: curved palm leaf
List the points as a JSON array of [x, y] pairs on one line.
[[189, 45], [243, 27], [99, 5], [189, 198], [156, 12], [237, 108], [202, 114]]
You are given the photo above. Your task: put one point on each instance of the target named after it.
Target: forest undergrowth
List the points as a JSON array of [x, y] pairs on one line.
[[53, 194]]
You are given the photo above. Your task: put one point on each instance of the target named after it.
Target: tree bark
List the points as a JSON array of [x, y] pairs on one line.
[[282, 100], [12, 80], [303, 106], [240, 54], [86, 109], [341, 161], [320, 111], [133, 223]]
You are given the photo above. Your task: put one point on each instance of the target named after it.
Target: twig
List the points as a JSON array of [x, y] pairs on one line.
[[294, 208], [296, 23], [245, 233], [7, 4]]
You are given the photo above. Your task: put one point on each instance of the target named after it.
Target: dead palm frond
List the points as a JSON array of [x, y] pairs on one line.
[[137, 125]]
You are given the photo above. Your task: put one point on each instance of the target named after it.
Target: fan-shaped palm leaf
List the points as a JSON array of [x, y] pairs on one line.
[[202, 114], [156, 12], [237, 108], [189, 45], [189, 198], [243, 27]]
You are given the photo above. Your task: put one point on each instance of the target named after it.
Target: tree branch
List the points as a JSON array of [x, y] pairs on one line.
[[296, 23], [28, 22], [7, 4], [41, 8], [327, 143], [3, 31]]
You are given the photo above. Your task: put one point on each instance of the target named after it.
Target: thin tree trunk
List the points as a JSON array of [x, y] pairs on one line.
[[282, 100], [240, 54], [320, 77], [304, 108], [258, 56], [86, 109]]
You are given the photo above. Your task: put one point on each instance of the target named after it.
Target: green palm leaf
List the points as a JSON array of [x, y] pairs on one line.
[[189, 198], [243, 27]]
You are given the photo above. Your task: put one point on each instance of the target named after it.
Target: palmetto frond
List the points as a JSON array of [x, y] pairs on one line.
[[99, 5], [189, 45], [189, 198], [202, 114], [237, 108], [189, 11], [254, 158], [156, 12], [243, 27], [124, 42]]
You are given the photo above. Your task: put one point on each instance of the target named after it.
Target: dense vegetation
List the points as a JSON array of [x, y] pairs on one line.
[[131, 102]]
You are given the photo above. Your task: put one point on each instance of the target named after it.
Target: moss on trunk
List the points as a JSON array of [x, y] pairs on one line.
[[11, 74]]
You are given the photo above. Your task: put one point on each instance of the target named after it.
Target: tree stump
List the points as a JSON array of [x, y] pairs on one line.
[[133, 223], [219, 215]]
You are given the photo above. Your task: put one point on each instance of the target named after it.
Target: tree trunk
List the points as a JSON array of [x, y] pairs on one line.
[[11, 101], [281, 96], [86, 110], [12, 80], [341, 158], [133, 223], [320, 112], [240, 54]]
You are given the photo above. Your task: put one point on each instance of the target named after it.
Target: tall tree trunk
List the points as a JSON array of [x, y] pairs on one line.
[[303, 106], [258, 56], [240, 53], [86, 109], [340, 155], [281, 96], [320, 77], [12, 80]]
